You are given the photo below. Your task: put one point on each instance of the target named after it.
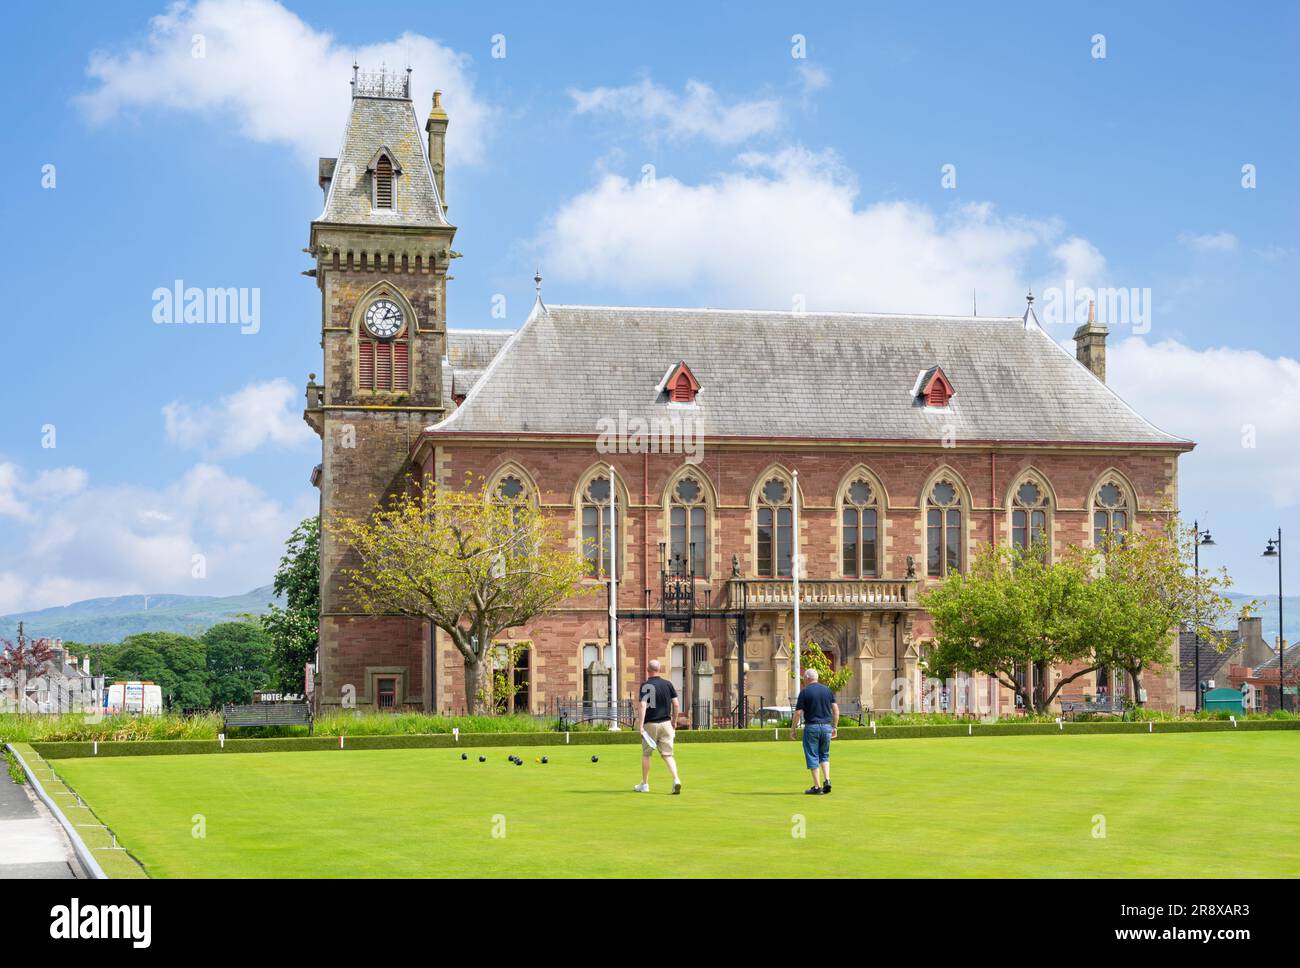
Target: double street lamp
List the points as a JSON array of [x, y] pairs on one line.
[[1274, 550], [1202, 538]]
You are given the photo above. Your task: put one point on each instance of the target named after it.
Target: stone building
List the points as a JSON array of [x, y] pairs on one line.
[[914, 439]]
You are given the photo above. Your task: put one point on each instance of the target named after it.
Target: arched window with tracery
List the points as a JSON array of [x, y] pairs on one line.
[[1030, 506], [597, 526], [774, 519], [943, 529], [688, 527], [859, 530], [1112, 513]]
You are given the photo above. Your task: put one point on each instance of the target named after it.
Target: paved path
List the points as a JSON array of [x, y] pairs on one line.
[[32, 844]]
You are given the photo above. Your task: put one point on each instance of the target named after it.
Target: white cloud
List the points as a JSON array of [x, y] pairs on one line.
[[1211, 242], [697, 112], [786, 225], [281, 80], [1241, 407], [257, 415], [93, 541], [813, 78]]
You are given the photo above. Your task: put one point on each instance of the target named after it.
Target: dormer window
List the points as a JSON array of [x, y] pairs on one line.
[[935, 388], [383, 170], [680, 384]]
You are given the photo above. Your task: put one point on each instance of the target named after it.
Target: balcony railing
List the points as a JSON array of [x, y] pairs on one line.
[[837, 593]]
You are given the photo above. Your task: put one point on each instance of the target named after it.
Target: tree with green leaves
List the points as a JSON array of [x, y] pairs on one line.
[[294, 628], [239, 661], [471, 563], [1013, 611], [813, 657], [177, 663], [1145, 589]]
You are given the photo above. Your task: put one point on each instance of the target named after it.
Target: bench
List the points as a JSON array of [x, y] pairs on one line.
[[1071, 709], [269, 714]]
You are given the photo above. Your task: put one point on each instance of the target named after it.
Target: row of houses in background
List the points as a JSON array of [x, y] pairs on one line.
[[61, 685], [1241, 660]]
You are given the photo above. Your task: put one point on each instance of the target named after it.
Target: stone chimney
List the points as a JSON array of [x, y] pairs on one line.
[[1250, 633], [1090, 344], [437, 128]]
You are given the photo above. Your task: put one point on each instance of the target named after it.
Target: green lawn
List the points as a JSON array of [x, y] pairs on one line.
[[1183, 805]]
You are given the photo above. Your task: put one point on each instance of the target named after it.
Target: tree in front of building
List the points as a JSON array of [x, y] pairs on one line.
[[238, 660], [23, 660], [811, 656], [294, 628], [1144, 588], [1014, 612], [472, 563]]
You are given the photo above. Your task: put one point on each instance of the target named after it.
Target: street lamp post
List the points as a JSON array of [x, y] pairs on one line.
[[1274, 550], [1201, 538]]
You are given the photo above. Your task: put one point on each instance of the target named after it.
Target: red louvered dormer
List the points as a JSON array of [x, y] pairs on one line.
[[681, 385], [936, 388]]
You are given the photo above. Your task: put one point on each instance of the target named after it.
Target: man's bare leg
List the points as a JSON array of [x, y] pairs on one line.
[[645, 769], [671, 763]]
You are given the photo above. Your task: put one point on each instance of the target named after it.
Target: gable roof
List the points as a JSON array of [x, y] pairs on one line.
[[798, 375], [382, 124], [469, 352], [1214, 663]]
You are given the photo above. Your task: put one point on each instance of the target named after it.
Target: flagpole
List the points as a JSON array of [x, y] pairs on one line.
[[794, 570], [613, 600]]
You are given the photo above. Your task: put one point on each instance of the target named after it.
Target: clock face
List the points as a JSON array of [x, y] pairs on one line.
[[384, 318]]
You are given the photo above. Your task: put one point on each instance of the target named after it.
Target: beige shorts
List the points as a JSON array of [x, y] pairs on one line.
[[661, 735]]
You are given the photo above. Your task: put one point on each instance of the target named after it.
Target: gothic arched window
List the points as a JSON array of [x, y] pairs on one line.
[[775, 519], [943, 529], [597, 526], [859, 522], [1029, 508], [688, 527], [1111, 513]]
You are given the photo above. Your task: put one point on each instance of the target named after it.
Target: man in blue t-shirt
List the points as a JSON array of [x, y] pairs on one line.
[[821, 715]]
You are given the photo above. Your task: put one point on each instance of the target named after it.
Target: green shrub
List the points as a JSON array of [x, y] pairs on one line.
[[15, 771]]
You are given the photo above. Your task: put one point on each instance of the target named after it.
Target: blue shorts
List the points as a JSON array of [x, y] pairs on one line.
[[817, 744]]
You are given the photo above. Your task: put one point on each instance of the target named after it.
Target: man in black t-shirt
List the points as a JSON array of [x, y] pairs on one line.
[[821, 715], [656, 713]]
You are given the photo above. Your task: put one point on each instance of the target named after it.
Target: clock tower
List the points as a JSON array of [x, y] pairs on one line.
[[381, 245]]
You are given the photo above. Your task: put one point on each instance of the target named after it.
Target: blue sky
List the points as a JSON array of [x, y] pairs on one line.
[[775, 177]]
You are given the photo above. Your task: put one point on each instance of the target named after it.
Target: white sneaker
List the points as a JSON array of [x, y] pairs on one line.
[[642, 788]]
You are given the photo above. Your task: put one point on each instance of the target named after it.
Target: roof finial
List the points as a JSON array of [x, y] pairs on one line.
[[1030, 318], [537, 282]]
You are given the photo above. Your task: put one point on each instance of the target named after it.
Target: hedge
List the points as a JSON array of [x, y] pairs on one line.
[[54, 751]]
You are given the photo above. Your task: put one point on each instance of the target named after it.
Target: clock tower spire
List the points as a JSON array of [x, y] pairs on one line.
[[382, 246]]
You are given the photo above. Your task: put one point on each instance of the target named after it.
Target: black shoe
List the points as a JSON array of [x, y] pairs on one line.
[[814, 791], [826, 787]]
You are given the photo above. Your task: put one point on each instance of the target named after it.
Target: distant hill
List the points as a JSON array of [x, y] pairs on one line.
[[113, 619], [1268, 612]]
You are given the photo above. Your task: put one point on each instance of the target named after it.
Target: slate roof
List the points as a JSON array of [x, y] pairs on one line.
[[469, 351], [1213, 662], [810, 375], [375, 123], [1292, 661]]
